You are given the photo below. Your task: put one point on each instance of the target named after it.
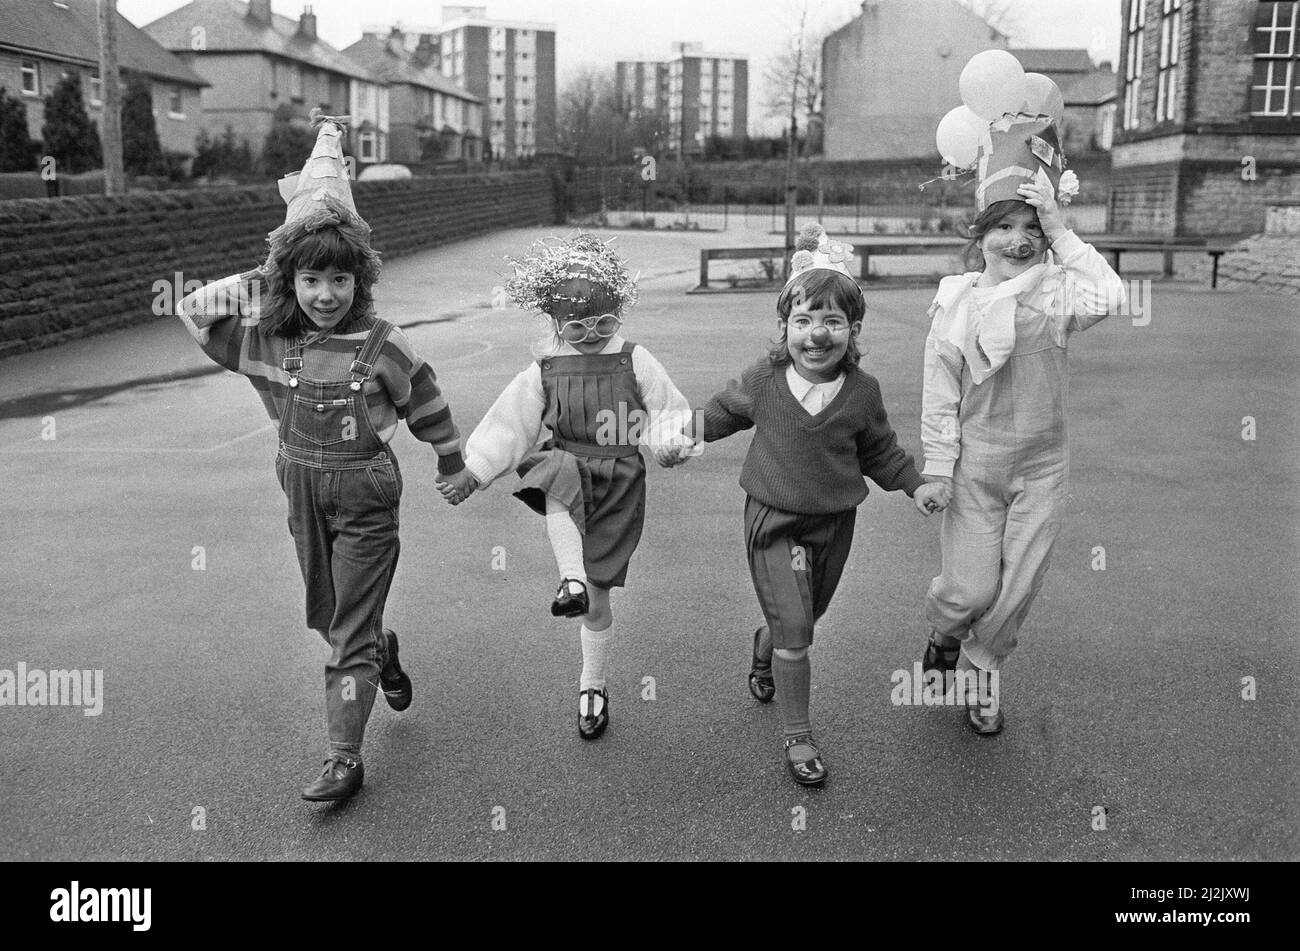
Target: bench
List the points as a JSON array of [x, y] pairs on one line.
[[922, 244], [907, 244]]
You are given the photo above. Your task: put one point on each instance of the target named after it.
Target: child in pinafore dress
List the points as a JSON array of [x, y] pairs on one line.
[[598, 397], [993, 406], [335, 379], [820, 426]]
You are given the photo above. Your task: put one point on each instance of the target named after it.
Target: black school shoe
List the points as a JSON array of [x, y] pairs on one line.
[[810, 772], [340, 779], [761, 683], [568, 604], [589, 727], [938, 657], [396, 685]]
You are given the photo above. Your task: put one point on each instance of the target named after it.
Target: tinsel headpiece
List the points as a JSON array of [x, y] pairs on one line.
[[549, 264]]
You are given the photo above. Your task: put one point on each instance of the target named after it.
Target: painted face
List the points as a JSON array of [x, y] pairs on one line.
[[817, 338], [1013, 245], [325, 296], [588, 334]]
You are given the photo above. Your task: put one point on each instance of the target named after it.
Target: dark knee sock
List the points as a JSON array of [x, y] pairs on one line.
[[763, 650], [793, 682]]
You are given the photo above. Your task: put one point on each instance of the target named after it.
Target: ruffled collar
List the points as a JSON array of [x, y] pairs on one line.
[[983, 320]]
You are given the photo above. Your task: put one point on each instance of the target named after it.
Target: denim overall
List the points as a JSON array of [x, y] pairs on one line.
[[343, 489]]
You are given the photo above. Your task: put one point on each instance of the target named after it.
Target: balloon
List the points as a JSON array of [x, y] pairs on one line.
[[1043, 97], [992, 83], [958, 137]]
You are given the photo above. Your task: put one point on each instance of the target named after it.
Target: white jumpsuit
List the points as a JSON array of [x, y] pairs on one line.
[[993, 418]]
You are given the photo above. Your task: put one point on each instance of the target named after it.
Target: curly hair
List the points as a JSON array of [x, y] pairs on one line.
[[972, 256], [819, 288], [339, 246]]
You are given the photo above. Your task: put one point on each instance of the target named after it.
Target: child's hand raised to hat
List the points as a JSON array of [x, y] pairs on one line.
[[1039, 195], [459, 486]]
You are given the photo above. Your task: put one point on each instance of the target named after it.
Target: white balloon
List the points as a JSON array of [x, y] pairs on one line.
[[992, 83], [1043, 97], [958, 137]]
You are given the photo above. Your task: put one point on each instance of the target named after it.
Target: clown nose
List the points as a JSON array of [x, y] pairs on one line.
[[821, 336]]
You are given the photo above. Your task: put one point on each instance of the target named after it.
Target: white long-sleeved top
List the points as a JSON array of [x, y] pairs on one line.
[[975, 331], [512, 427]]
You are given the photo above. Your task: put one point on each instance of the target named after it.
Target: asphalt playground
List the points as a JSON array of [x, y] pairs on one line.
[[144, 535]]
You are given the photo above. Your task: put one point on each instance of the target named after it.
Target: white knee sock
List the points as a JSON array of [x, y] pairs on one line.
[[595, 651], [566, 541]]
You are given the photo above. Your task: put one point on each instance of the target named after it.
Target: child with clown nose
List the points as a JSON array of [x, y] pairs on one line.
[[993, 403]]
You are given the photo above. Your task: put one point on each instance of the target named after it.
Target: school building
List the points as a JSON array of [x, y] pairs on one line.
[[1209, 130]]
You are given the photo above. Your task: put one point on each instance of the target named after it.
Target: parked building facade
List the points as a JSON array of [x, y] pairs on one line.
[[430, 118], [256, 61], [42, 41], [1210, 107], [510, 67]]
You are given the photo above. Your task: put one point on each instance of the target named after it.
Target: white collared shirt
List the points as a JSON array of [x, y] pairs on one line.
[[814, 397]]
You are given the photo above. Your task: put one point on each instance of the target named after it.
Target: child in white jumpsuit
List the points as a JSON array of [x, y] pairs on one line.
[[993, 417]]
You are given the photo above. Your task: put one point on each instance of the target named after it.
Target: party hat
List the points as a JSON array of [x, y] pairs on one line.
[[814, 250], [1014, 151], [319, 196]]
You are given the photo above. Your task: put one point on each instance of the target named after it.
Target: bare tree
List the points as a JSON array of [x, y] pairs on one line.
[[1003, 15], [587, 120]]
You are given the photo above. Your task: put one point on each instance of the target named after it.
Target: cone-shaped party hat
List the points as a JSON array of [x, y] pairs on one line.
[[319, 196]]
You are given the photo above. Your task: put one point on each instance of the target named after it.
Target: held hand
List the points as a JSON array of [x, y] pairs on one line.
[[458, 487], [1041, 197], [669, 456], [931, 497]]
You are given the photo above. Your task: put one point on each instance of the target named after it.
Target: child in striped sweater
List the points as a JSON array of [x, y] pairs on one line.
[[335, 379], [820, 426]]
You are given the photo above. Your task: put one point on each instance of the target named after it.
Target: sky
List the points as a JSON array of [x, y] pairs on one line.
[[600, 32]]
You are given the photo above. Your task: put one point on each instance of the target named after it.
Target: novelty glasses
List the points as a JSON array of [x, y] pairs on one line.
[[576, 331]]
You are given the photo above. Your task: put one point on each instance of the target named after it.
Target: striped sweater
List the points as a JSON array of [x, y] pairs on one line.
[[223, 318], [810, 464]]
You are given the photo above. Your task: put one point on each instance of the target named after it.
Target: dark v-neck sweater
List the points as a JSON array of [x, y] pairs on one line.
[[804, 463]]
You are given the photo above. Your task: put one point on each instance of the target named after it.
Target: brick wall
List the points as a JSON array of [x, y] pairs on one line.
[[1198, 197], [70, 267]]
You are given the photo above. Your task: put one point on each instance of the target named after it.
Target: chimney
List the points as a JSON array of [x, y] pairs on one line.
[[259, 11], [426, 51], [396, 44], [307, 25]]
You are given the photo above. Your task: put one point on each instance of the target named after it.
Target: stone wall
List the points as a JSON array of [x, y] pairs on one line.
[[76, 266]]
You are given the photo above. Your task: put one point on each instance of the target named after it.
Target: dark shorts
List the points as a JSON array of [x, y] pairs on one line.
[[796, 562]]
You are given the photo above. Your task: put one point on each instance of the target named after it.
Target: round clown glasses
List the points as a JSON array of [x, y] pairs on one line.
[[602, 327]]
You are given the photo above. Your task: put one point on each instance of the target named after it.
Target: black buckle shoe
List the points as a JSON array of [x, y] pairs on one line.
[[340, 779], [940, 658], [809, 772], [978, 701], [761, 684], [568, 604], [396, 685], [590, 727]]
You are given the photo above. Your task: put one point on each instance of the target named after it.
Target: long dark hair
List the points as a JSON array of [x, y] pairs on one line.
[[820, 288], [340, 248], [972, 256]]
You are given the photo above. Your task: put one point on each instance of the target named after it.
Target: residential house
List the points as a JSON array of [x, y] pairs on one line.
[[429, 117], [41, 41], [256, 61]]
